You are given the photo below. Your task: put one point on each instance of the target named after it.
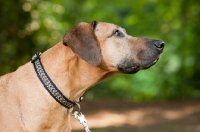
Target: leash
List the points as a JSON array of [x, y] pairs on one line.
[[55, 92]]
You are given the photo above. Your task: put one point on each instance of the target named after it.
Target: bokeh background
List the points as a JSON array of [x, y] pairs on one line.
[[29, 26]]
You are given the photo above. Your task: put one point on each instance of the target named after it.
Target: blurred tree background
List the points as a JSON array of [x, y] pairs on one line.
[[27, 27]]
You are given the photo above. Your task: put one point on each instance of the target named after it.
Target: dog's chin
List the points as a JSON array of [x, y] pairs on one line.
[[131, 69], [146, 66]]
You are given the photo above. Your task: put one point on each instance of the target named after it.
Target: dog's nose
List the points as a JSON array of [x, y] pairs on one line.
[[159, 44]]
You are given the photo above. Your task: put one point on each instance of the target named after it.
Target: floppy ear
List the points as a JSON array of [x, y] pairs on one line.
[[83, 42]]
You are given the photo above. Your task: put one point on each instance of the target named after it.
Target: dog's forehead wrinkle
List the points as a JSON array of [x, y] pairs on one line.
[[107, 26]]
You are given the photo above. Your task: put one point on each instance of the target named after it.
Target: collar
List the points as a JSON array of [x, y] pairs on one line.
[[49, 85]]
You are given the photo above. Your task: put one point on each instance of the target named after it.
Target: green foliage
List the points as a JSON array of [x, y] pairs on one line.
[[30, 26]]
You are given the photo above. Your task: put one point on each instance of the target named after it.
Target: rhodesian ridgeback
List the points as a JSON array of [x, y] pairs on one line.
[[88, 54]]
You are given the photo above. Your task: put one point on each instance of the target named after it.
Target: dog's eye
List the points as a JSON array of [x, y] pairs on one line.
[[118, 33]]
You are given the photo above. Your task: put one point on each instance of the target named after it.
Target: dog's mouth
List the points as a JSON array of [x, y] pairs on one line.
[[130, 68]]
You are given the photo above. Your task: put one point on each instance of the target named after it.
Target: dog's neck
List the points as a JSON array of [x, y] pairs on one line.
[[71, 74]]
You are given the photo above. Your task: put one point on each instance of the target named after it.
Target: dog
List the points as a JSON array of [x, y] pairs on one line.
[[88, 54]]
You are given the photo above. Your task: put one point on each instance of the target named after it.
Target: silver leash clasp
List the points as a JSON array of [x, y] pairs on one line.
[[80, 117]]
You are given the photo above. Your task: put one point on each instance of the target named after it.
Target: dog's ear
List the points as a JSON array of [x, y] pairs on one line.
[[83, 42]]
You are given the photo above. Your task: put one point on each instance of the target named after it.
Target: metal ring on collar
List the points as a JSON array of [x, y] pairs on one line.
[[79, 109]]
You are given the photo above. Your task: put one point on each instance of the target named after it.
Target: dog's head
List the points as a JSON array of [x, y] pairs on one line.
[[109, 47]]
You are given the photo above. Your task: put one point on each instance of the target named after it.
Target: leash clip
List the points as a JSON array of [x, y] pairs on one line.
[[80, 117], [35, 57]]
